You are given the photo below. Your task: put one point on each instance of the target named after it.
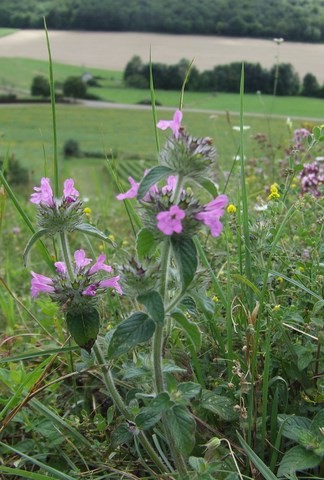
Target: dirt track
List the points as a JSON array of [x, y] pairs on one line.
[[112, 50]]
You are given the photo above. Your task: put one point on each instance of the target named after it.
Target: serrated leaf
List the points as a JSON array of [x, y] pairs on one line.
[[293, 426], [32, 241], [185, 254], [154, 175], [138, 328], [93, 231], [191, 329], [182, 427], [297, 459], [84, 327], [208, 185], [145, 243], [221, 406], [304, 357], [154, 305], [318, 306], [151, 414]]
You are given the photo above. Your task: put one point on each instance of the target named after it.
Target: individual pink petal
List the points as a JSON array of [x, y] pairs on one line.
[[169, 222], [217, 205], [171, 183], [174, 124], [100, 265], [90, 291], [60, 267], [131, 193], [211, 221], [111, 283], [80, 259], [44, 193], [70, 193], [41, 283]]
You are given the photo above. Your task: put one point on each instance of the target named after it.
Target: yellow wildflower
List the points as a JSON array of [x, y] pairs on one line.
[[111, 237], [87, 211], [276, 308], [215, 299], [231, 208], [274, 192]]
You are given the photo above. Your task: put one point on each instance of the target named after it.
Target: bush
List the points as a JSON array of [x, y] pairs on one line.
[[74, 87], [40, 87], [14, 172], [71, 148]]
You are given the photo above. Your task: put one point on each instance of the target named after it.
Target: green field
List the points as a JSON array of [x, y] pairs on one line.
[[6, 31], [17, 74]]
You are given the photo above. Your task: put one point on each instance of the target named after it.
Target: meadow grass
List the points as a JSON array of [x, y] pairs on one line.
[[7, 31]]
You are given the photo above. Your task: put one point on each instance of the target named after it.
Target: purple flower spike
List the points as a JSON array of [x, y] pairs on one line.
[[44, 193], [169, 222], [131, 193], [40, 284], [80, 259], [70, 193], [100, 265], [111, 283], [174, 124]]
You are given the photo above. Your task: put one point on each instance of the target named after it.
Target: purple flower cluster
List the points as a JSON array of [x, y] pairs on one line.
[[84, 282], [44, 194], [311, 178]]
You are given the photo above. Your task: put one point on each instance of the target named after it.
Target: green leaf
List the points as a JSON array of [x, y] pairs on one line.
[[185, 254], [293, 426], [17, 472], [138, 328], [182, 427], [191, 329], [84, 325], [221, 406], [258, 463], [145, 243], [189, 390], [297, 459], [122, 434], [304, 357], [154, 175], [94, 232], [154, 305], [208, 185], [151, 414], [31, 242], [317, 423]]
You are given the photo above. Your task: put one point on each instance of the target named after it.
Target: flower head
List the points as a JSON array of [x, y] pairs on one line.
[[132, 192], [44, 194], [40, 284], [70, 193], [169, 222], [174, 124], [211, 213]]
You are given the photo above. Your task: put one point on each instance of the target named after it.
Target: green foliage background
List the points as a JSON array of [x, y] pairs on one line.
[[298, 20]]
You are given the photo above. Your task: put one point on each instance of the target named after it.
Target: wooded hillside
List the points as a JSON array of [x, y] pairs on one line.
[[297, 20]]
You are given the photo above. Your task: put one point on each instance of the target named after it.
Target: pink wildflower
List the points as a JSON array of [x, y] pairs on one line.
[[171, 183], [111, 283], [44, 193], [40, 283], [211, 214], [60, 267], [300, 134], [169, 222], [100, 265], [69, 192], [131, 193], [174, 124], [80, 259], [90, 291]]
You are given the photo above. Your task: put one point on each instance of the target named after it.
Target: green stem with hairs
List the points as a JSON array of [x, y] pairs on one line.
[[66, 255]]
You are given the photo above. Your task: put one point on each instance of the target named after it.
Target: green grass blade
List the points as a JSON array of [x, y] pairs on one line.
[[58, 475], [23, 473], [52, 92], [257, 462], [154, 106], [184, 84], [41, 353], [297, 284]]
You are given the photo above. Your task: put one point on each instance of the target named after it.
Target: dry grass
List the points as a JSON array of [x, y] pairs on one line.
[[111, 50]]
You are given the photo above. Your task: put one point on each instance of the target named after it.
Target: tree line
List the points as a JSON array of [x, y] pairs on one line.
[[281, 79], [296, 20]]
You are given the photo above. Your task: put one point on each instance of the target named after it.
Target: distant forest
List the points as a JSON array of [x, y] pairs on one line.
[[296, 20]]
